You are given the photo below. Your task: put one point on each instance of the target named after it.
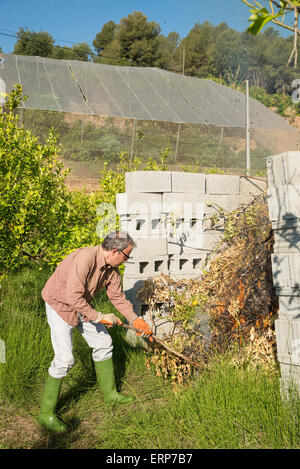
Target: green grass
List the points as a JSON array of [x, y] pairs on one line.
[[224, 407]]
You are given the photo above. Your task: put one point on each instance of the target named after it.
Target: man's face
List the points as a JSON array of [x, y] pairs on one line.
[[117, 257]]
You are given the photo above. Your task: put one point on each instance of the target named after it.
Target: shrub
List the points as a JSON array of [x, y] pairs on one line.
[[33, 197]]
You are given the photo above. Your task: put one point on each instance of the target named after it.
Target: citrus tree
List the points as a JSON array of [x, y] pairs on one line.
[[33, 197]]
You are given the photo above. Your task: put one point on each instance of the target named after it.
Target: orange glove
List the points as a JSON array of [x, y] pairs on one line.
[[140, 324], [108, 319]]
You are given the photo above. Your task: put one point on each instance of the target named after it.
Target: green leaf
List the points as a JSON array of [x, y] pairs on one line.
[[260, 18]]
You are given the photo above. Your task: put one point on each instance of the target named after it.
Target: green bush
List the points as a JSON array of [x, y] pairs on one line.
[[278, 102], [33, 197], [39, 217], [78, 229]]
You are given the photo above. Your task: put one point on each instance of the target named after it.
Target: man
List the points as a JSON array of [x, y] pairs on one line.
[[68, 294]]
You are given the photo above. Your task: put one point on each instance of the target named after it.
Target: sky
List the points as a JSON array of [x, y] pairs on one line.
[[73, 21]]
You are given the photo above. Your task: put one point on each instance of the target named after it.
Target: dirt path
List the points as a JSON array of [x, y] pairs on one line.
[[17, 430], [86, 184]]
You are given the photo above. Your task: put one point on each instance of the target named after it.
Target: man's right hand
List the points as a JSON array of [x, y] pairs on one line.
[[108, 319]]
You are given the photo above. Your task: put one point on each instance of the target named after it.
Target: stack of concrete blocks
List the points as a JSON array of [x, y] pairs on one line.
[[284, 212], [168, 214]]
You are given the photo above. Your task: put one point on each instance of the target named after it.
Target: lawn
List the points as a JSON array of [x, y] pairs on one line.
[[226, 406]]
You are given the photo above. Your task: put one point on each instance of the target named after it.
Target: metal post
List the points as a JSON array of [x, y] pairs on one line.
[[132, 140], [220, 146], [2, 87], [248, 161], [177, 141], [2, 93]]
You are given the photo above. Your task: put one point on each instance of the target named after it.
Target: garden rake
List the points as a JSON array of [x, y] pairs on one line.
[[164, 346]]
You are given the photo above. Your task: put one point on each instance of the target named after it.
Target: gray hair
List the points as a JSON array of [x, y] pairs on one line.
[[117, 240]]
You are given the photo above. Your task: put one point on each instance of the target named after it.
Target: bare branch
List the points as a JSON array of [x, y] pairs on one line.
[[294, 52]]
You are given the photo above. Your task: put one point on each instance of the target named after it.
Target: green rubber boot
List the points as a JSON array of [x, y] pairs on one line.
[[47, 417], [107, 385]]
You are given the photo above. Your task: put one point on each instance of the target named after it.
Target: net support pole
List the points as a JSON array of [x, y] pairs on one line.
[[132, 140], [248, 159], [2, 94], [177, 141]]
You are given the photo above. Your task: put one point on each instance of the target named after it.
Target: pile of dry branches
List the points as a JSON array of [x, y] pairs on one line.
[[236, 292]]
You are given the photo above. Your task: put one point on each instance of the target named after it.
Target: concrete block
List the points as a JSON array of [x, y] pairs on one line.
[[276, 203], [283, 202], [287, 291], [289, 316], [291, 167], [222, 184], [286, 224], [287, 240], [214, 204], [289, 379], [187, 263], [194, 244], [131, 203], [289, 307], [239, 202], [187, 276], [294, 262], [190, 227], [143, 226], [193, 226], [146, 267], [182, 204], [188, 182], [180, 226], [281, 270], [284, 169], [275, 171], [131, 285], [150, 247], [211, 224], [198, 205], [288, 341], [292, 194], [148, 181], [160, 326], [252, 186], [286, 269], [156, 320]]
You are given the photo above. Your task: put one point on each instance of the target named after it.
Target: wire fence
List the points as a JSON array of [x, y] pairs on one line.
[[100, 110], [96, 139]]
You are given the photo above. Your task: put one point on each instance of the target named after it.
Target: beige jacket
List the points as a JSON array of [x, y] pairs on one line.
[[76, 281]]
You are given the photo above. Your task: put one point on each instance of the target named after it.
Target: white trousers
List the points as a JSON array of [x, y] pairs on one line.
[[95, 335]]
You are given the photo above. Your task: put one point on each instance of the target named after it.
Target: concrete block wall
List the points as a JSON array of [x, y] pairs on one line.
[[284, 210], [168, 215]]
